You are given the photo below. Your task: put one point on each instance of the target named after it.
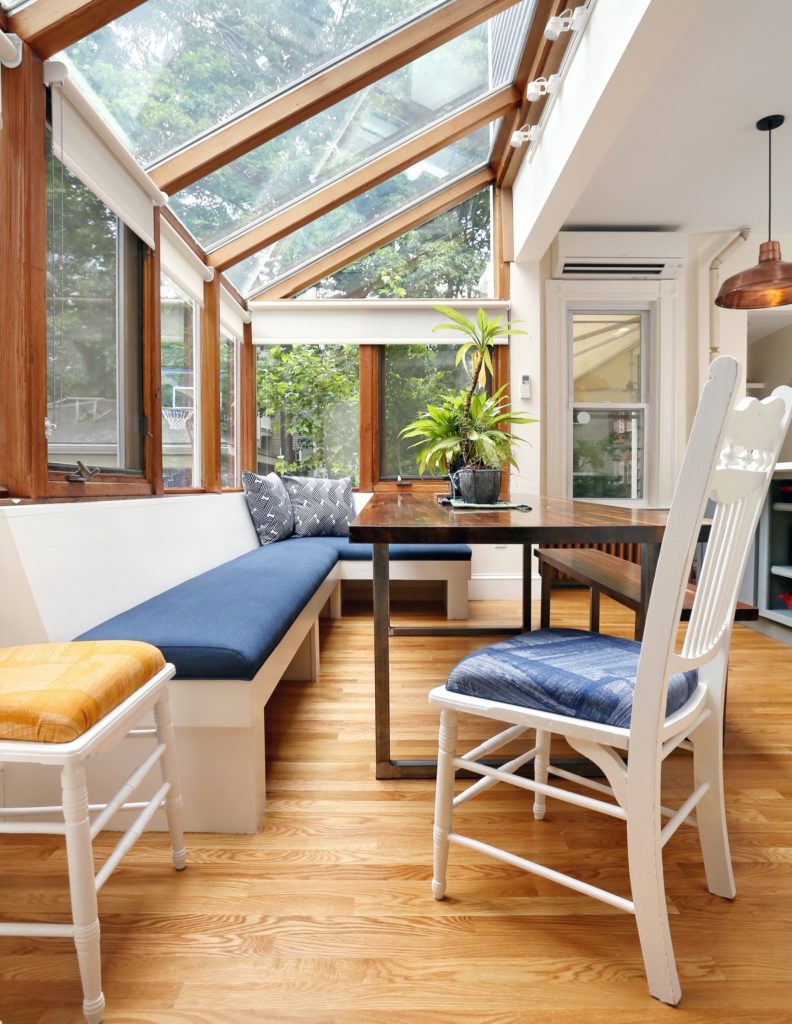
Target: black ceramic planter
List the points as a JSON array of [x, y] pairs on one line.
[[479, 486]]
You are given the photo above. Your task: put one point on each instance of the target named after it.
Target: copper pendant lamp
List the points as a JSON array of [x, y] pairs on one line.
[[769, 283]]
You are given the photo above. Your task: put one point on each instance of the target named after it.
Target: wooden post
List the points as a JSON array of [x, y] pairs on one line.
[[210, 386], [247, 401], [23, 280], [369, 417]]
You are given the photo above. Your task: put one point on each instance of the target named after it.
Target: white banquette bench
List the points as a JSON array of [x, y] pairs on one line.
[[187, 573]]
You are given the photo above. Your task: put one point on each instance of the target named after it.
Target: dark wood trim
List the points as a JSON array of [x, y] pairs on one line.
[[123, 487], [23, 281], [247, 401], [369, 416], [502, 241], [379, 235], [152, 362], [546, 60], [49, 26], [534, 51], [502, 365], [342, 189], [322, 90], [209, 372]]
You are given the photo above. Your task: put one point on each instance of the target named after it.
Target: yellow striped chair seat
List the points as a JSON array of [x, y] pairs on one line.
[[53, 693]]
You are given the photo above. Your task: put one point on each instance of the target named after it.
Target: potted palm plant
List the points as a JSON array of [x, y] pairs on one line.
[[466, 434]]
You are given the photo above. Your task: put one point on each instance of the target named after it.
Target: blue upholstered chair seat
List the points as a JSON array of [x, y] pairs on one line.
[[401, 552], [568, 672], [226, 622]]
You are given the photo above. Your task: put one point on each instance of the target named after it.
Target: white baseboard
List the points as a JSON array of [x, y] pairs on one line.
[[500, 586]]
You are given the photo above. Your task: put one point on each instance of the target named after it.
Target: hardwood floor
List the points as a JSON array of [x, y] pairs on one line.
[[326, 915]]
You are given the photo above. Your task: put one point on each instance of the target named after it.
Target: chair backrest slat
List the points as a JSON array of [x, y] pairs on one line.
[[730, 459]]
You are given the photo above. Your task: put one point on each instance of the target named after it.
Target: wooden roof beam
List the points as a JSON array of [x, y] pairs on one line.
[[541, 57], [49, 26], [322, 90], [379, 235], [360, 180]]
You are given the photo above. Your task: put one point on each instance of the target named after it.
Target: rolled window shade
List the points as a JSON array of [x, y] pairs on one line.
[[364, 322], [181, 264], [99, 159], [232, 316]]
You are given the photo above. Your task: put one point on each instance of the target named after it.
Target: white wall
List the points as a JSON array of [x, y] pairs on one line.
[[770, 363], [497, 569]]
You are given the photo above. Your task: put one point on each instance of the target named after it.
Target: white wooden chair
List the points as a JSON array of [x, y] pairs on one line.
[[24, 706], [730, 456]]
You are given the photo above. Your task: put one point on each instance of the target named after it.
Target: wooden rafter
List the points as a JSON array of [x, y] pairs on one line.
[[49, 26], [321, 91], [380, 235], [398, 159], [541, 57]]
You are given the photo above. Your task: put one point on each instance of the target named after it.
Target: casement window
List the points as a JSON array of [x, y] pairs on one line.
[[179, 390], [94, 331], [309, 410], [229, 410]]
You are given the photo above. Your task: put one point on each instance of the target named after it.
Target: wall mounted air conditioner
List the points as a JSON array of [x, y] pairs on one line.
[[619, 255]]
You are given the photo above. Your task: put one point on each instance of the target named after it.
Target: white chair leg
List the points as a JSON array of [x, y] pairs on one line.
[[82, 887], [648, 893], [444, 796], [170, 774], [711, 811], [541, 762]]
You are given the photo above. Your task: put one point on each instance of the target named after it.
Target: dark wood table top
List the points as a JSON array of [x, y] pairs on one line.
[[418, 519]]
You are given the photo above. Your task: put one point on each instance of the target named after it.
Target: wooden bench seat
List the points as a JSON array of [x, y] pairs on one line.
[[607, 574]]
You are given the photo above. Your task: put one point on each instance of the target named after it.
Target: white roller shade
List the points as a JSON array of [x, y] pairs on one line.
[[181, 264], [232, 316], [364, 322], [99, 159]]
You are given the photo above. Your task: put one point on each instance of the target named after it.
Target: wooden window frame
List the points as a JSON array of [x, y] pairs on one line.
[[370, 424]]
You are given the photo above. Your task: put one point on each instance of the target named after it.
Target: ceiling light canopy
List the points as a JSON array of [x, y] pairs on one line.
[[769, 283]]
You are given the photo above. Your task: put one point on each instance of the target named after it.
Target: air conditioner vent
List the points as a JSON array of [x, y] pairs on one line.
[[619, 255], [591, 269]]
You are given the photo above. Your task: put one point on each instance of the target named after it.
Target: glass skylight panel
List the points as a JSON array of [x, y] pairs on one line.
[[449, 255], [363, 212], [167, 72], [353, 132]]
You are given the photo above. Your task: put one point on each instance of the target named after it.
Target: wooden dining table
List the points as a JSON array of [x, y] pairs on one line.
[[419, 519]]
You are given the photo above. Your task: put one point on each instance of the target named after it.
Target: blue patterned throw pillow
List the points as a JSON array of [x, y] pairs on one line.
[[269, 505], [322, 508]]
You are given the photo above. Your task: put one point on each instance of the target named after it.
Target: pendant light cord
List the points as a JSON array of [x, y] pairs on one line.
[[769, 184]]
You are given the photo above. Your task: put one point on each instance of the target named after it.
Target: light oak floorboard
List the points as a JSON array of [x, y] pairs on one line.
[[326, 915]]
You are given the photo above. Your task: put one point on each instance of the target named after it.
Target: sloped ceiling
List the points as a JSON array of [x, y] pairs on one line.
[[690, 158]]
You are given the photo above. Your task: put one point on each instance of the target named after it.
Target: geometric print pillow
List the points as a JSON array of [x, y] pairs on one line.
[[322, 508], [269, 505]]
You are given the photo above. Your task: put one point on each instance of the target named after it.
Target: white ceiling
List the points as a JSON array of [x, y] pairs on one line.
[[690, 158]]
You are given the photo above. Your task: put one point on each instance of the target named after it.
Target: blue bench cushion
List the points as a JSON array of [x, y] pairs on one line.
[[402, 552], [226, 622], [564, 671]]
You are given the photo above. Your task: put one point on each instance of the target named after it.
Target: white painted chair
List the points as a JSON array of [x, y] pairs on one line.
[[730, 457], [78, 826]]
